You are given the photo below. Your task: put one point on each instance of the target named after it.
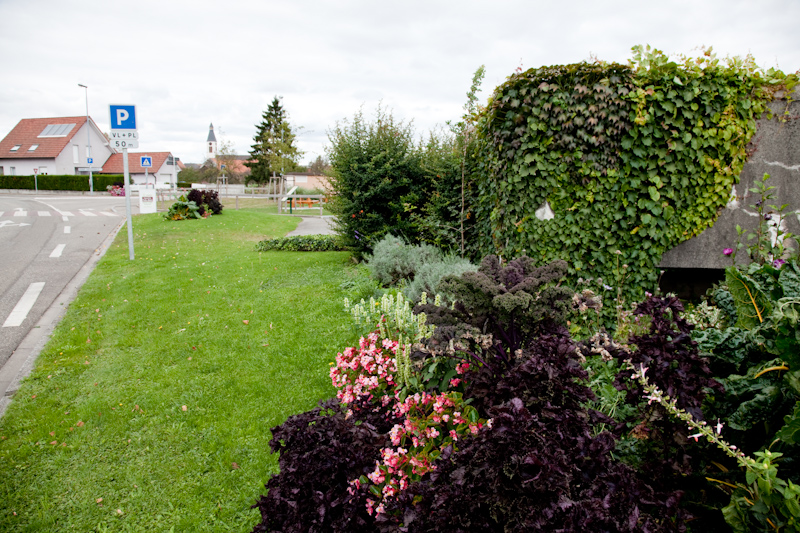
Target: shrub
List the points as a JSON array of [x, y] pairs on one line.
[[321, 451], [585, 159], [55, 182], [183, 209], [392, 260], [302, 243], [376, 174], [486, 423], [428, 275], [206, 201]]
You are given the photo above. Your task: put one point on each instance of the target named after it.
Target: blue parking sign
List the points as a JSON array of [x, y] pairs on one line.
[[123, 117]]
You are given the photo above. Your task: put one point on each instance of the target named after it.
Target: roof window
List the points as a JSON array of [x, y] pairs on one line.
[[57, 130], [15, 147], [33, 147]]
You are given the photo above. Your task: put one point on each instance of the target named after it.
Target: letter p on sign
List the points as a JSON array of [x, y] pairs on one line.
[[123, 117]]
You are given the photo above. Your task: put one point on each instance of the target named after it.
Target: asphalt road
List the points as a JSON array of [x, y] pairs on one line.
[[44, 242]]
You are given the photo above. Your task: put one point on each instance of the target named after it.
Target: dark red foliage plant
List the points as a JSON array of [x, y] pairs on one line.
[[321, 451], [539, 468], [540, 464]]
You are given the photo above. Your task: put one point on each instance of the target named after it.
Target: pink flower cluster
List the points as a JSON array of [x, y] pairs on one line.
[[431, 422], [368, 369]]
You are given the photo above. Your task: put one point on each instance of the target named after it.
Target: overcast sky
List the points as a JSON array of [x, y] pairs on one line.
[[185, 64]]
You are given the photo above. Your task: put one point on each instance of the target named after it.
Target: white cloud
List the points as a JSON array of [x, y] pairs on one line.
[[188, 63]]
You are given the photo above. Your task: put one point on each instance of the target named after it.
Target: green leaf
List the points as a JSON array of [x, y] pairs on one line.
[[753, 412], [734, 516], [789, 280], [790, 432], [752, 304]]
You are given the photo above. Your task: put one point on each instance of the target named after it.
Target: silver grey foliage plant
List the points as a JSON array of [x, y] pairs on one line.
[[393, 260]]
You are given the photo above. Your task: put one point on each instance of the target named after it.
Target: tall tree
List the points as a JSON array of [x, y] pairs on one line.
[[320, 166], [274, 147]]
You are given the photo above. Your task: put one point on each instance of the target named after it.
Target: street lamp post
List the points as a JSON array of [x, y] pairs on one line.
[[88, 140]]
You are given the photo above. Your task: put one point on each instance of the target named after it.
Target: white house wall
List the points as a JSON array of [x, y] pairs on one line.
[[24, 167], [100, 152], [165, 177]]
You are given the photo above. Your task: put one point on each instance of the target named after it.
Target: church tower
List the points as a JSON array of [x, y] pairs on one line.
[[211, 144]]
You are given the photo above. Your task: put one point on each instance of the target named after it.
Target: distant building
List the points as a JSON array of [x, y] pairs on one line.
[[53, 146], [230, 165], [306, 180], [211, 143], [163, 173]]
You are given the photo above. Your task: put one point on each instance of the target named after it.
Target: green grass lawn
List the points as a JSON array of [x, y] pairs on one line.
[[268, 206], [150, 408]]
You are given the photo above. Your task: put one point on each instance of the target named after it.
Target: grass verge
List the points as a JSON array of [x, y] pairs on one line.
[[269, 206], [150, 408]]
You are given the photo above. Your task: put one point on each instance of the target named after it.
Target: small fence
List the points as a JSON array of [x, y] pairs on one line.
[[294, 203]]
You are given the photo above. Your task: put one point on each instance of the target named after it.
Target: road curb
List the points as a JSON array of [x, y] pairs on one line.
[[23, 359]]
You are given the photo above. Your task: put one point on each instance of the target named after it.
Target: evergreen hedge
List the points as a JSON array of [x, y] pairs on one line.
[[64, 182]]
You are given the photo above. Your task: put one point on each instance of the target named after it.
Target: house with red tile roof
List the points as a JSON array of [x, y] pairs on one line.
[[55, 145], [163, 173]]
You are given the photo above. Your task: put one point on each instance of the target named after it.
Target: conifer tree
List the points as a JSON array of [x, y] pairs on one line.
[[274, 148]]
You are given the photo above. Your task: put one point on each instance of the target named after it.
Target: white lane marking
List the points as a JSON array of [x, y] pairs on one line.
[[57, 210], [59, 249], [4, 223], [106, 213], [24, 305], [67, 229], [44, 213], [87, 213], [65, 219], [20, 213], [1, 213]]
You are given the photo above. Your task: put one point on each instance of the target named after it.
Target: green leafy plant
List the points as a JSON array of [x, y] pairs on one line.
[[582, 160], [767, 243], [302, 243], [376, 171], [764, 502], [183, 209]]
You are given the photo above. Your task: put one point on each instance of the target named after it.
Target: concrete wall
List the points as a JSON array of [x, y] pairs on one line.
[[774, 150]]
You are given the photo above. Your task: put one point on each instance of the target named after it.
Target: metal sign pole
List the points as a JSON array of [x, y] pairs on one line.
[[128, 193]]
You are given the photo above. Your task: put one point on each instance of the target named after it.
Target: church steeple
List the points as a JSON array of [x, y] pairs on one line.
[[212, 143]]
